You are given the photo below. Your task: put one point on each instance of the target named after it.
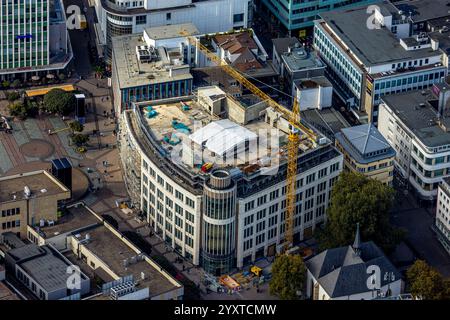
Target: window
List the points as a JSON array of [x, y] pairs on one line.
[[238, 18], [179, 195], [311, 178], [249, 205], [168, 16], [141, 20], [189, 216], [190, 202], [248, 220]]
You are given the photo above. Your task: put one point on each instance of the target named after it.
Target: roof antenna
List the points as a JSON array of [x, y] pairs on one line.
[[357, 243]]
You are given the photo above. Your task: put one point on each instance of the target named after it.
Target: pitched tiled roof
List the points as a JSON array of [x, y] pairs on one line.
[[342, 272]]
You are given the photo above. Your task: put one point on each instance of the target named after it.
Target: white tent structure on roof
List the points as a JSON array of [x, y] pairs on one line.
[[223, 137]]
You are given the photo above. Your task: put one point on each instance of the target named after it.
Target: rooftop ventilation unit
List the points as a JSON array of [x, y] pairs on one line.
[[122, 290]]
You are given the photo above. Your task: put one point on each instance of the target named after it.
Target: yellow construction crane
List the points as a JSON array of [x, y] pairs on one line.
[[296, 127]]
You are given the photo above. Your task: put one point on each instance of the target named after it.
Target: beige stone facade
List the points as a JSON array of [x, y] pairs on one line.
[[17, 209]]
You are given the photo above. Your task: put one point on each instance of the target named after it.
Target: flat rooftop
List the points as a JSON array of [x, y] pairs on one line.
[[40, 183], [328, 121], [416, 111], [300, 59], [312, 83], [372, 47], [73, 219], [424, 10], [113, 251], [46, 266], [281, 45], [132, 73], [171, 31], [161, 127]]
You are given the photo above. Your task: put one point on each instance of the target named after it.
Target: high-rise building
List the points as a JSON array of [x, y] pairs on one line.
[[416, 124], [218, 213], [300, 14], [33, 37], [365, 64], [24, 36]]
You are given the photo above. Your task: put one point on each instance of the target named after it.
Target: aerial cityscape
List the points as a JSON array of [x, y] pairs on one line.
[[224, 150]]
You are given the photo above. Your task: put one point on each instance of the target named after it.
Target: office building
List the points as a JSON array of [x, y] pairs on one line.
[[416, 125], [42, 269], [297, 14], [120, 17], [366, 151], [29, 198], [152, 65], [365, 65], [87, 241], [442, 222], [294, 62], [33, 38], [178, 169]]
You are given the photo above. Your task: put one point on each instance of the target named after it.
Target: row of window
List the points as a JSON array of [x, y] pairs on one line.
[[10, 212], [10, 224]]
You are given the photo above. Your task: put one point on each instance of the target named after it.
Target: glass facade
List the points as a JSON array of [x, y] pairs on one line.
[[219, 224], [297, 14], [116, 26], [24, 33]]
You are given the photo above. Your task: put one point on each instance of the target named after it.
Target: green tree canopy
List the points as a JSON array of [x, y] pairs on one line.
[[59, 101], [18, 109], [76, 126], [23, 109], [426, 282], [288, 276], [358, 199], [12, 96], [80, 139]]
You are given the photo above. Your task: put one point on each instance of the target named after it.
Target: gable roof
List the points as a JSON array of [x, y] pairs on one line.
[[235, 43], [342, 272], [246, 61]]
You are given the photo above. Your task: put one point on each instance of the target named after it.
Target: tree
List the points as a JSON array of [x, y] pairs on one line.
[[426, 282], [76, 126], [18, 109], [23, 109], [80, 139], [288, 276], [16, 84], [59, 101], [6, 84], [358, 199], [13, 96]]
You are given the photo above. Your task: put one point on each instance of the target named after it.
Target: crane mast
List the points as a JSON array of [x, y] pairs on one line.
[[295, 130]]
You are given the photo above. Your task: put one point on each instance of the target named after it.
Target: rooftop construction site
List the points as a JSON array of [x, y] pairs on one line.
[[215, 130]]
